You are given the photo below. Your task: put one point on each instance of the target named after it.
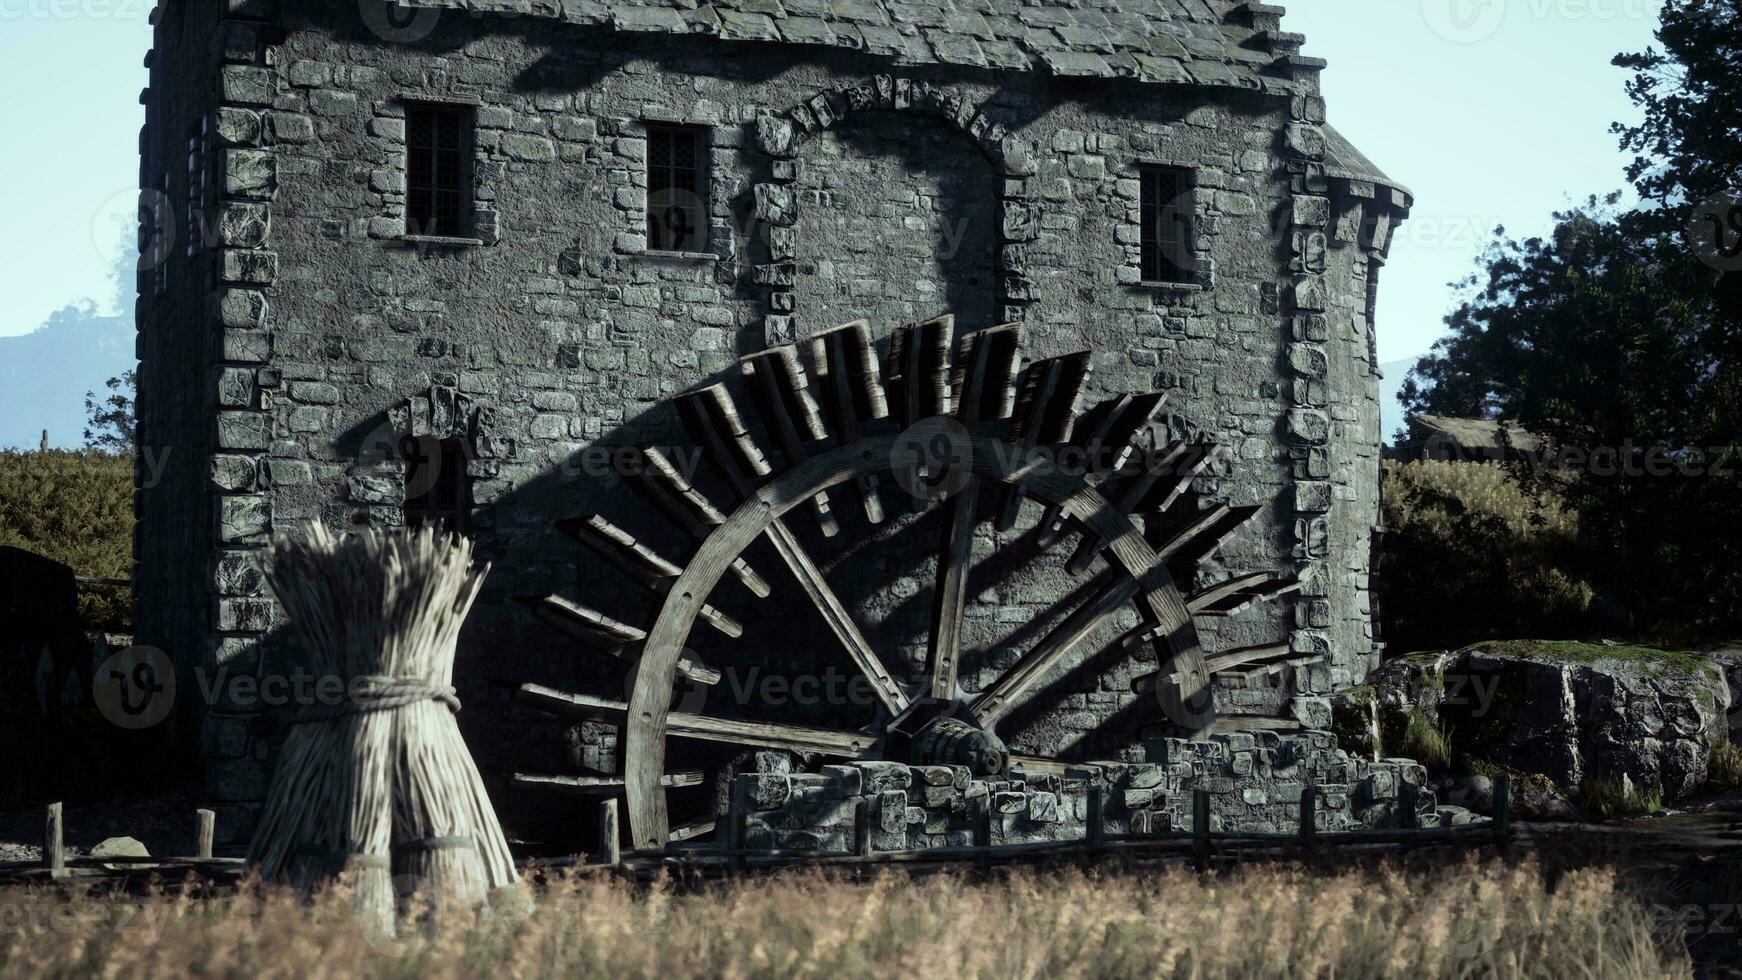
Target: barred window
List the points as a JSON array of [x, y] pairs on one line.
[[438, 490], [677, 190], [438, 148], [1167, 225]]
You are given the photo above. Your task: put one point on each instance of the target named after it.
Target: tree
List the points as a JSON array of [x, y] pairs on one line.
[[1619, 339], [111, 422]]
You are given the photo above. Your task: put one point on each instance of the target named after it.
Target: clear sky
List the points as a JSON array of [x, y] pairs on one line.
[[1491, 111], [70, 71], [1494, 112]]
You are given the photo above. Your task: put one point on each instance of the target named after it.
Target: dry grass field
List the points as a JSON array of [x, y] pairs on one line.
[[1469, 920]]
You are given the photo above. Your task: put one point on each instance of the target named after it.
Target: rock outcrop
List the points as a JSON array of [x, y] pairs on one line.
[[1634, 718]]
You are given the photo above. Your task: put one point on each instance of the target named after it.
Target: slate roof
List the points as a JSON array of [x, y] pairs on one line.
[[1207, 42], [1342, 159]]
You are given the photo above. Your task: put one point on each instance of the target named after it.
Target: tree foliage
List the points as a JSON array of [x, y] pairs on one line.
[[1469, 555], [112, 423], [75, 507], [1618, 337]]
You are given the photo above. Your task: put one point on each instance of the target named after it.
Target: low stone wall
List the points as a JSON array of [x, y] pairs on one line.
[[1255, 782]]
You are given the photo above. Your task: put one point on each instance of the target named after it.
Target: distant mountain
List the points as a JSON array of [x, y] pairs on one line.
[[44, 375], [1390, 409]]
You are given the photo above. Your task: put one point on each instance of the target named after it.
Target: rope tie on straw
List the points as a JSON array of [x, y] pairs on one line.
[[368, 694]]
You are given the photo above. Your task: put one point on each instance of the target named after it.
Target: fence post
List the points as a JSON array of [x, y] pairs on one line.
[[734, 838], [1503, 804], [983, 828], [1097, 816], [1201, 826], [54, 851], [1309, 805], [205, 829], [865, 846], [1406, 799], [610, 843]]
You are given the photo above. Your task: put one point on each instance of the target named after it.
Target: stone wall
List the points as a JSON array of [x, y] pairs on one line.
[[329, 335], [1254, 781]]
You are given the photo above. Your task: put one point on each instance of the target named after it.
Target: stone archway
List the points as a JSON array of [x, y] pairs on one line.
[[780, 200]]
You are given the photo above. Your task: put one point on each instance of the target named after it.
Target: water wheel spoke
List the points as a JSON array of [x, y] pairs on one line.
[[691, 829], [835, 615], [609, 785], [1162, 480], [1214, 595], [683, 724], [1112, 590], [984, 389], [660, 482], [638, 562]]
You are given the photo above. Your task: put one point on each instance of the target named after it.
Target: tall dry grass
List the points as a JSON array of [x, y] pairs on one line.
[[1475, 920]]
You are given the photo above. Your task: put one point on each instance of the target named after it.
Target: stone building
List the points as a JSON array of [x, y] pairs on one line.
[[515, 230]]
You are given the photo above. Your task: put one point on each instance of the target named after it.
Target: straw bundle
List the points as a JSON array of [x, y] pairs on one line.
[[378, 781]]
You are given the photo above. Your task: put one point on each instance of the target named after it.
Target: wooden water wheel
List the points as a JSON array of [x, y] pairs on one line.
[[941, 421]]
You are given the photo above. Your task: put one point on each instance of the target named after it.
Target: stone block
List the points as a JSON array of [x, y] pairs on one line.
[[232, 473], [244, 225], [246, 85], [250, 173], [244, 430], [244, 519], [251, 267], [246, 346]]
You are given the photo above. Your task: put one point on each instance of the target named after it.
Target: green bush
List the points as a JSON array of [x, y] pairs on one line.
[[1724, 766], [1468, 555], [75, 507]]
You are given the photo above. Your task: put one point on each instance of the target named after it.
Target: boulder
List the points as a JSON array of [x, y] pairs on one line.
[[1570, 712]]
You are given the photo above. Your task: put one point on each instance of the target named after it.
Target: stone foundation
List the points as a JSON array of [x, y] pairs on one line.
[[1255, 782]]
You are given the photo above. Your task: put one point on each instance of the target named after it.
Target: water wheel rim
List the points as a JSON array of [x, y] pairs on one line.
[[655, 672]]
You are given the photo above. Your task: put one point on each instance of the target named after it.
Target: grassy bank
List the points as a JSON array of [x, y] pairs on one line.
[[1468, 921]]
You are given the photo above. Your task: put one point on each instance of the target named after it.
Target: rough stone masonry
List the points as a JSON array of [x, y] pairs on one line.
[[862, 158]]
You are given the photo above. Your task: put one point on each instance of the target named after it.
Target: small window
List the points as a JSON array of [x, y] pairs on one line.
[[438, 490], [438, 165], [677, 190], [1167, 225]]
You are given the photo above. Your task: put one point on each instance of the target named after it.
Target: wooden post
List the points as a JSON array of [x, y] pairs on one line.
[[734, 838], [1503, 804], [54, 851], [1097, 817], [1309, 805], [1406, 799], [863, 843], [610, 843], [1201, 827], [983, 828], [206, 822]]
